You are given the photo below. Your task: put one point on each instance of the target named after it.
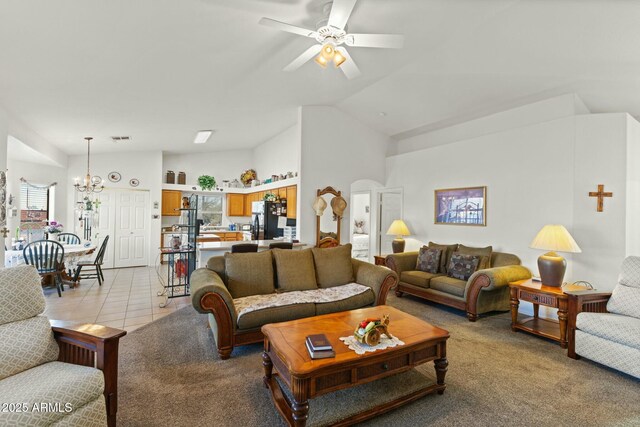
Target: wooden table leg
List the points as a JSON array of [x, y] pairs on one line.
[[562, 319], [300, 412], [514, 308], [536, 310], [267, 365], [442, 366]]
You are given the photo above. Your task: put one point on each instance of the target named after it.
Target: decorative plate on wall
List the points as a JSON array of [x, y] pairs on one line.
[[114, 176], [134, 182]]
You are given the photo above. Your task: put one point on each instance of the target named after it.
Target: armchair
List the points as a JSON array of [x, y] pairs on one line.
[[605, 327], [52, 373]]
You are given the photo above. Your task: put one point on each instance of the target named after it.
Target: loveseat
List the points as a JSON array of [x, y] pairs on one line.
[[52, 375], [604, 326], [242, 292], [485, 290]]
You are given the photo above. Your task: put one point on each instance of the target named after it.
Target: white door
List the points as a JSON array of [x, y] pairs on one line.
[[390, 209], [132, 229], [106, 224]]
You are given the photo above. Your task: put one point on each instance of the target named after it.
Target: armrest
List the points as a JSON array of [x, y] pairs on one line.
[[405, 261], [497, 277], [210, 295], [93, 345], [380, 279], [578, 302]]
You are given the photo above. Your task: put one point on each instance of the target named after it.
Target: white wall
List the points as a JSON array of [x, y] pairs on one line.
[[278, 155], [145, 166], [633, 187], [37, 173], [222, 165], [535, 175], [350, 152]]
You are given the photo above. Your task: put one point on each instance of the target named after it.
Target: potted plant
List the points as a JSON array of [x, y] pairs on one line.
[[270, 197], [53, 227], [206, 182]]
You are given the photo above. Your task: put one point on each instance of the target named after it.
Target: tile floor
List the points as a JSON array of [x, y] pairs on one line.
[[127, 300]]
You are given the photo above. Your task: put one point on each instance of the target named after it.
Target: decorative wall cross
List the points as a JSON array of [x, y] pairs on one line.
[[600, 194]]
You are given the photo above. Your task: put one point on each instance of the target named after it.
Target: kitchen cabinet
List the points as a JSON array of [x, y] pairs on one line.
[[171, 200], [235, 204], [281, 192], [292, 201], [247, 204]]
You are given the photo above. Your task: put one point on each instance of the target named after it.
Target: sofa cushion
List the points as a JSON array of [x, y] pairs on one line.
[[21, 294], [357, 301], [612, 327], [428, 260], [483, 253], [53, 382], [449, 285], [417, 278], [333, 266], [295, 270], [258, 318], [25, 344], [463, 266], [447, 251], [249, 273], [625, 300], [630, 272]]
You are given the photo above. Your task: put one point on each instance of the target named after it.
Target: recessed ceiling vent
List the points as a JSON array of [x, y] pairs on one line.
[[121, 138]]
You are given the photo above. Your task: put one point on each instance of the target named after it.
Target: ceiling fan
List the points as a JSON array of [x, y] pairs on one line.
[[332, 39]]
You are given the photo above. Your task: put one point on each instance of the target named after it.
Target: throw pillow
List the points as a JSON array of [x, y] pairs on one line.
[[429, 260], [333, 266], [295, 270], [483, 253], [625, 300], [447, 251], [249, 273], [463, 266]]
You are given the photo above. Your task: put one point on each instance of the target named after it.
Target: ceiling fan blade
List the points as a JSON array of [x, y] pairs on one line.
[[348, 67], [390, 41], [306, 55], [340, 12], [287, 27]]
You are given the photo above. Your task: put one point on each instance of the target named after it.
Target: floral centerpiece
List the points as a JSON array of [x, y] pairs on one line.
[[53, 227], [248, 176]]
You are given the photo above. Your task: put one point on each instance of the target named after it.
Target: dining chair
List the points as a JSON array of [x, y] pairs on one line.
[[281, 245], [47, 257], [95, 264], [69, 239], [244, 248]]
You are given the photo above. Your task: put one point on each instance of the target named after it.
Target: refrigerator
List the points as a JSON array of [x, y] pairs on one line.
[[269, 219]]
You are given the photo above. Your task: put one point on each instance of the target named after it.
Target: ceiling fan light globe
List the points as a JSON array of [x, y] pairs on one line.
[[321, 61], [328, 51], [338, 59]]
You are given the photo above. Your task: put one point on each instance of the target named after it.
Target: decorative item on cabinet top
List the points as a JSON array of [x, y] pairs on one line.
[[206, 182], [182, 178], [171, 177]]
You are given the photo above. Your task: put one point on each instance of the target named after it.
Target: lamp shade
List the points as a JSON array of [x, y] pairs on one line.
[[555, 237], [398, 228]]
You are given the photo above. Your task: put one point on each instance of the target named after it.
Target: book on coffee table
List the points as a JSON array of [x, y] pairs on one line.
[[319, 342], [319, 354]]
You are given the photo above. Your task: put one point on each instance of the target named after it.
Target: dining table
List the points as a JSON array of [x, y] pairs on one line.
[[72, 254]]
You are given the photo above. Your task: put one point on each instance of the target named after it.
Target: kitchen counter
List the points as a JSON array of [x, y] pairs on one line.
[[207, 250]]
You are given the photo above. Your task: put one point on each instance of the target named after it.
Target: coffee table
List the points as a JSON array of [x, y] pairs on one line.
[[284, 350]]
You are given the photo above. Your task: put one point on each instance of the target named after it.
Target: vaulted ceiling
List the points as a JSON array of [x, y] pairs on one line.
[[160, 70]]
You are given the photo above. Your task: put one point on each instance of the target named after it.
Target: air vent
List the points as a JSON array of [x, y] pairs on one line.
[[121, 138]]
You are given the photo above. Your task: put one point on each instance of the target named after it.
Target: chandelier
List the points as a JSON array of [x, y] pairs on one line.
[[90, 184]]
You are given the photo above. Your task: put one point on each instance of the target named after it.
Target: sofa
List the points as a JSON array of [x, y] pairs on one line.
[[52, 374], [485, 290], [605, 326], [242, 292]]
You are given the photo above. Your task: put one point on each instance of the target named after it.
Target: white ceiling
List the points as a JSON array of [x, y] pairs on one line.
[[159, 70]]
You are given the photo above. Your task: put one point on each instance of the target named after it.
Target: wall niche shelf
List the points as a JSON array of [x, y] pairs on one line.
[[247, 190]]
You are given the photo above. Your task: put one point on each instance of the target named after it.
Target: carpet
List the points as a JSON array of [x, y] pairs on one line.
[[170, 375]]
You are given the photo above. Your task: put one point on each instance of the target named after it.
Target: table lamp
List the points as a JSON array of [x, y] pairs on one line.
[[398, 228], [552, 266]]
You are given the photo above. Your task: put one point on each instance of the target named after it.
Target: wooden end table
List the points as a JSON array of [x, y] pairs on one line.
[[548, 296], [284, 350]]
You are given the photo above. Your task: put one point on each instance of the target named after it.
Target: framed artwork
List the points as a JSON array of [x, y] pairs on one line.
[[461, 206]]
